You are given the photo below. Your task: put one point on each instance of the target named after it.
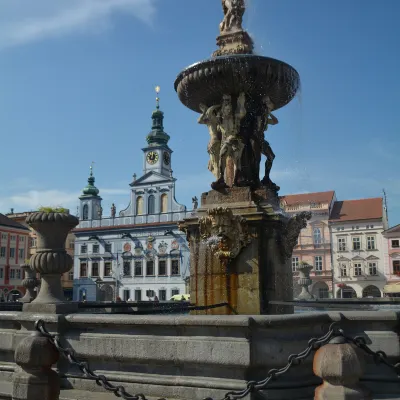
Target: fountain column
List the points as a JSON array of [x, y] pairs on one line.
[[241, 242]]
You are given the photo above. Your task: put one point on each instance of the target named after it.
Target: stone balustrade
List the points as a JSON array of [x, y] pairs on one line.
[[193, 357]]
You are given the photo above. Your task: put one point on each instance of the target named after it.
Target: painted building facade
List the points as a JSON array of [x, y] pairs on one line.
[[67, 278], [140, 253], [358, 247], [314, 243], [392, 261], [14, 239]]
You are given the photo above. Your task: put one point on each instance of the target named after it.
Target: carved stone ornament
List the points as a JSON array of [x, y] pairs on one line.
[[292, 232], [226, 234]]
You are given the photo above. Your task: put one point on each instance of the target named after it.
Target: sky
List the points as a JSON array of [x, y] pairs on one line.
[[77, 82]]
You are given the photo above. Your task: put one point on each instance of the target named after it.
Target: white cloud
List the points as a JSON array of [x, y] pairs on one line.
[[25, 21]]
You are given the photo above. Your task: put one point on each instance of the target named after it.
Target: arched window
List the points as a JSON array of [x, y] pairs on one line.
[[164, 203], [317, 236], [151, 206], [139, 205], [85, 213]]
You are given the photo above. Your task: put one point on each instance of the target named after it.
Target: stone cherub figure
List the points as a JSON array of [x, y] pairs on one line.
[[233, 16], [231, 143], [265, 148], [195, 202], [100, 212], [210, 118]]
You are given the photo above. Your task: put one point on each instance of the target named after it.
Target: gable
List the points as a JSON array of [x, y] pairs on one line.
[[343, 259], [151, 177], [372, 258], [357, 258]]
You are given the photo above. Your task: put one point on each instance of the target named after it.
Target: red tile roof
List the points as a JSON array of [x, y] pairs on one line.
[[354, 210], [393, 229], [306, 198], [5, 221]]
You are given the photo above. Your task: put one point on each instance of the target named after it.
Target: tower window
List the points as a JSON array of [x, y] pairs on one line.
[[85, 212], [151, 205], [164, 203], [139, 205]]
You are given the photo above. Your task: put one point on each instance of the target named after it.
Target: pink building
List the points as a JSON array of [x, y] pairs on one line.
[[392, 261], [314, 244]]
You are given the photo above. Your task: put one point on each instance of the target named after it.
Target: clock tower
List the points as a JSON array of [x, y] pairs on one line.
[[157, 155]]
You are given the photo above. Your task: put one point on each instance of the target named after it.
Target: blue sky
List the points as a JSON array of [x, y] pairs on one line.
[[77, 84]]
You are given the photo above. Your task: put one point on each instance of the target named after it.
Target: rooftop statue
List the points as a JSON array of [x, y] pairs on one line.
[[233, 16]]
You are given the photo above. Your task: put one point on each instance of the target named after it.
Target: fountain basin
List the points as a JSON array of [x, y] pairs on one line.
[[206, 81]]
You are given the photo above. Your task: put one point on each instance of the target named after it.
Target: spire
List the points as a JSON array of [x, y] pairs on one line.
[[157, 136], [90, 189]]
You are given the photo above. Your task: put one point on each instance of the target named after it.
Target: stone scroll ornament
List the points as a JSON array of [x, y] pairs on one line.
[[226, 234], [292, 232]]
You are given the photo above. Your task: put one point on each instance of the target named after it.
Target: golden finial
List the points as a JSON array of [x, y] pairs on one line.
[[157, 89]]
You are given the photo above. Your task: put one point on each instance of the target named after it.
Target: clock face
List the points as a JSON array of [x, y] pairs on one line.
[[167, 158], [152, 157]]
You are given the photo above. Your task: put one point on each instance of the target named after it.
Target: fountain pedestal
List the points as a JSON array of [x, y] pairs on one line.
[[251, 266]]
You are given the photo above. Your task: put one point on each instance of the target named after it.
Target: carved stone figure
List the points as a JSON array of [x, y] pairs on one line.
[[292, 232], [113, 210], [231, 143], [226, 234], [100, 212], [210, 118], [233, 16], [195, 202]]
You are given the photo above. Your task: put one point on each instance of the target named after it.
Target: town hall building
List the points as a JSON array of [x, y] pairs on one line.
[[140, 253]]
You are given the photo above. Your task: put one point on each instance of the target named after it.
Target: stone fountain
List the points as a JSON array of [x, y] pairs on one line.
[[241, 242]]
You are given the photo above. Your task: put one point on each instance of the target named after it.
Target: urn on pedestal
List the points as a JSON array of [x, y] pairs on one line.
[[305, 281], [29, 283], [51, 259]]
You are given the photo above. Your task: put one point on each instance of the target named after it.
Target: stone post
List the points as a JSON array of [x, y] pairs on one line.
[[34, 378], [51, 259], [340, 365], [304, 281], [29, 283]]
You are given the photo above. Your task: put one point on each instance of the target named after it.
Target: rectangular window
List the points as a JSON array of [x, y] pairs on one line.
[[71, 275], [107, 269], [138, 295], [395, 244], [83, 249], [4, 236], [149, 293], [32, 242], [17, 274], [72, 245], [323, 293], [21, 239], [318, 263], [12, 273], [396, 267], [1, 273], [357, 270], [343, 270], [83, 270], [341, 244], [356, 243], [107, 247], [95, 269], [162, 295], [295, 263], [12, 252], [370, 242], [372, 268], [175, 267], [95, 248], [174, 292], [162, 267], [150, 268], [12, 238], [138, 268], [127, 294], [2, 252], [127, 268], [21, 253]]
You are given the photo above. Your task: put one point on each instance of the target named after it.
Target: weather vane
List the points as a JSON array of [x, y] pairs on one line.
[[91, 168], [157, 89]]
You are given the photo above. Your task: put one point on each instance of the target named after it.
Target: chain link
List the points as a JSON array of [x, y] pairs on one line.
[[252, 386]]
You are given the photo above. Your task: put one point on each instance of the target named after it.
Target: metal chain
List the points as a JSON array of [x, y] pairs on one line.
[[252, 386]]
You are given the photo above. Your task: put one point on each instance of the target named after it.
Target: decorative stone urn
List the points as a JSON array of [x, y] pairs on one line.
[[29, 283], [51, 259], [305, 281]]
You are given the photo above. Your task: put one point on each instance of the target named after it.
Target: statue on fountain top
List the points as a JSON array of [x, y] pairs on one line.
[[233, 16]]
